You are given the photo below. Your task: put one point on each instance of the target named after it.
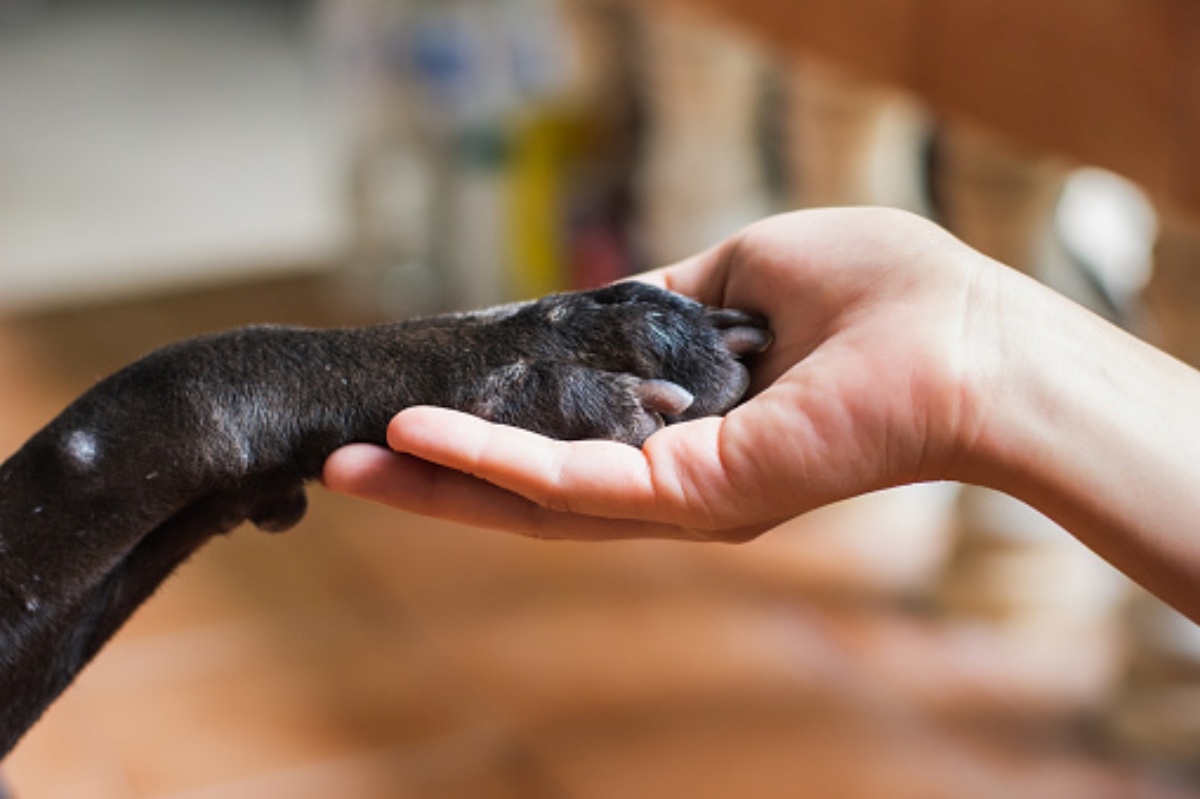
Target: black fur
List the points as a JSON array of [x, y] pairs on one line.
[[190, 441]]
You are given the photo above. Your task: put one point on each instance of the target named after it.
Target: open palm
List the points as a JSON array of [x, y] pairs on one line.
[[867, 385]]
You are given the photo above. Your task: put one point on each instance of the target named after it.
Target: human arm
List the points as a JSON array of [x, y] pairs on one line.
[[901, 356], [1096, 429]]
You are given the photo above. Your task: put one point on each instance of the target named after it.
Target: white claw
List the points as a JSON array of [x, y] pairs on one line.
[[663, 396], [745, 340]]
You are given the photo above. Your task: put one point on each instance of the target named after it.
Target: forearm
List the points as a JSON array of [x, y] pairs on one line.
[[1096, 429]]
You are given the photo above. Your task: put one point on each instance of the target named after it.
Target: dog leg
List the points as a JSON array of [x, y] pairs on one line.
[[110, 497]]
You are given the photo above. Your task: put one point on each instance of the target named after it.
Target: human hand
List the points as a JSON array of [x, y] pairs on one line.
[[869, 383]]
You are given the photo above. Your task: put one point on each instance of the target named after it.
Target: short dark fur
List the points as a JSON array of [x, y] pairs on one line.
[[104, 502]]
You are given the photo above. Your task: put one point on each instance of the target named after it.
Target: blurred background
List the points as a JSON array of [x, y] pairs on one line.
[[175, 166]]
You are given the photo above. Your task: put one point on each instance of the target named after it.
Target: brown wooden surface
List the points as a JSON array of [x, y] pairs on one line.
[[1115, 83], [1188, 133]]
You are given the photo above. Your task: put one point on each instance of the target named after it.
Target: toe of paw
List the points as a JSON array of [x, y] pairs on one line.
[[723, 391]]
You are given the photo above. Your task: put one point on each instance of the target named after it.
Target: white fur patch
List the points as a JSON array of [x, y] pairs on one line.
[[495, 313], [497, 386], [83, 449], [231, 421]]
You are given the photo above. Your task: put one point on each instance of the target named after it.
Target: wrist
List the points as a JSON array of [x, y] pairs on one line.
[[1038, 390], [1089, 425], [1003, 378]]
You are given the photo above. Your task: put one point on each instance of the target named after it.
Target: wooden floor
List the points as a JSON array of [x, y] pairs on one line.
[[371, 654]]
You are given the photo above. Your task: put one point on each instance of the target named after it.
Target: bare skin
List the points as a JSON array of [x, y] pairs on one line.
[[900, 356]]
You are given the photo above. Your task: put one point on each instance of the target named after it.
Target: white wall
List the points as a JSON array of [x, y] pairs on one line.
[[145, 144]]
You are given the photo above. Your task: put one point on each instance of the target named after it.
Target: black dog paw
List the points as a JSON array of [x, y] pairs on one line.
[[103, 503], [619, 363]]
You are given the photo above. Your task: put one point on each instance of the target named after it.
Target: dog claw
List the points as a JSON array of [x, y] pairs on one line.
[[732, 317], [743, 340], [743, 333], [663, 396]]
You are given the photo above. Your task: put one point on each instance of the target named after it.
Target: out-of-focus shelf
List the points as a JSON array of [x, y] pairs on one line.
[[1114, 83]]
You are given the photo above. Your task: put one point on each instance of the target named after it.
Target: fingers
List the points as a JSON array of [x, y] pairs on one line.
[[410, 484], [600, 478], [677, 478]]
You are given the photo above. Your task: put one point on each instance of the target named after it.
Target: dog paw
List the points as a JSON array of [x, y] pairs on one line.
[[620, 363]]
